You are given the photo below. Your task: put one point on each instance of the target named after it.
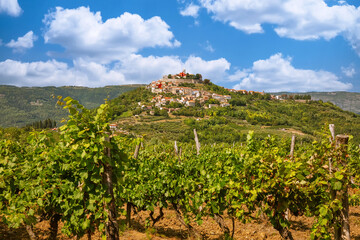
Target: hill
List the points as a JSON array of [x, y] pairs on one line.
[[173, 116], [349, 101], [165, 116], [24, 105]]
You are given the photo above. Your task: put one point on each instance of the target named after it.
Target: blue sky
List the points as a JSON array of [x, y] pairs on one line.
[[279, 45]]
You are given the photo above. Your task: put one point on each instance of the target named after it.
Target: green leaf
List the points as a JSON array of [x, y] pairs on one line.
[[31, 212], [338, 175], [323, 211], [101, 227], [86, 224], [324, 222], [84, 175], [337, 186], [83, 154]]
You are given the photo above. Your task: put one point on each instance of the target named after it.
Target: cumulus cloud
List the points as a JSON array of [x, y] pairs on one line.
[[348, 71], [146, 69], [54, 73], [300, 20], [84, 34], [276, 74], [191, 10], [132, 69], [214, 69], [22, 43], [10, 7]]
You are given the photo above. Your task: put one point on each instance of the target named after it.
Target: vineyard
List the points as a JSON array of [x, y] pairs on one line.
[[85, 178]]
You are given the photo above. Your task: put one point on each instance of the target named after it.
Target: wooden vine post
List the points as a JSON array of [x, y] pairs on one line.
[[197, 142], [112, 226], [343, 233], [129, 204], [31, 233], [177, 152], [136, 153], [292, 146], [332, 131]]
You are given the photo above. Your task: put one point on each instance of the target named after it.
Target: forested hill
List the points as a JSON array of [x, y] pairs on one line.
[[349, 101], [24, 105]]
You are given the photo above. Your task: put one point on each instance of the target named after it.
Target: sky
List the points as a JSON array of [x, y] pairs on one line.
[[259, 45]]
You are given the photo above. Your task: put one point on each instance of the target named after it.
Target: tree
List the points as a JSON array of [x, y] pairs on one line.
[[206, 81], [213, 101], [237, 102]]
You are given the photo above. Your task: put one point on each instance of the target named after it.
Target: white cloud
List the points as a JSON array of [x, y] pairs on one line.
[[10, 7], [146, 69], [22, 43], [215, 70], [191, 10], [348, 71], [300, 20], [84, 34], [132, 69], [276, 74], [54, 73], [208, 47]]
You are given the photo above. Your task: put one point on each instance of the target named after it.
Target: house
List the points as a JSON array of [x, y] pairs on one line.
[[213, 105], [205, 93], [224, 104], [182, 74], [168, 99], [196, 93], [113, 126], [190, 103], [231, 90]]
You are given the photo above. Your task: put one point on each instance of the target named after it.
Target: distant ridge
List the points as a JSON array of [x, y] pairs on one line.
[[24, 105], [349, 101]]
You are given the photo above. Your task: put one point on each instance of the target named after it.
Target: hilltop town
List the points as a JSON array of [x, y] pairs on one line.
[[186, 89]]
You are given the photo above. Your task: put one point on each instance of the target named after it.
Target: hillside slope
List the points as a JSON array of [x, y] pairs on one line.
[[136, 113], [24, 105]]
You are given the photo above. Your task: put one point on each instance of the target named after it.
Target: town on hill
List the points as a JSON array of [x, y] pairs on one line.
[[185, 89]]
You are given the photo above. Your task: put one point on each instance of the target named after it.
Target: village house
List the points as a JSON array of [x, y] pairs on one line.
[[113, 126], [190, 103], [213, 105]]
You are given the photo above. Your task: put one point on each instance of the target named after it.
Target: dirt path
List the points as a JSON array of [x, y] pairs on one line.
[[169, 228]]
